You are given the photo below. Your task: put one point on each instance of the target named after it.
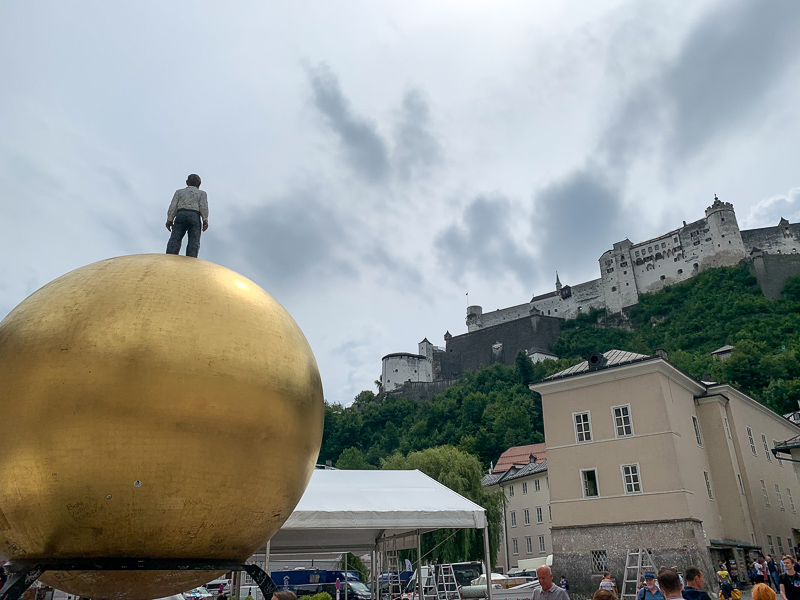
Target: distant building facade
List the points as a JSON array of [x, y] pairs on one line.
[[640, 455], [521, 473], [628, 270]]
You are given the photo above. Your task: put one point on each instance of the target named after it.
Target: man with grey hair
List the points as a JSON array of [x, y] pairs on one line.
[[189, 205], [549, 590]]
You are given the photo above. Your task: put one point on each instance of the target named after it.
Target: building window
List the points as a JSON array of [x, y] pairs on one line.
[[708, 485], [513, 518], [599, 561], [537, 485], [771, 546], [550, 511], [764, 491], [539, 518], [622, 420], [741, 483], [524, 487], [514, 547], [589, 479], [779, 497], [511, 491], [727, 428], [630, 478], [528, 545], [780, 462], [526, 516], [542, 547], [791, 500], [697, 435], [780, 546], [583, 427], [752, 443], [766, 447]]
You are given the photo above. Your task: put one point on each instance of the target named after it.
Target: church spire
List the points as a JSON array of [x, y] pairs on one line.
[[558, 283]]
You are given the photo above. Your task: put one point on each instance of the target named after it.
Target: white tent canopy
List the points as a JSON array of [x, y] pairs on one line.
[[343, 511]]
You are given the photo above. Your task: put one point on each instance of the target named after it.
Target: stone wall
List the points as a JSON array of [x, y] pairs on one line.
[[678, 542], [500, 343], [423, 390], [772, 271]]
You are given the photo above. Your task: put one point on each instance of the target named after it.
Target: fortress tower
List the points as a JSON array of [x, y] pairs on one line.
[[728, 248]]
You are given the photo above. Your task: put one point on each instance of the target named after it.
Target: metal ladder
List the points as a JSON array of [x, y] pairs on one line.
[[395, 591], [637, 563], [446, 584]]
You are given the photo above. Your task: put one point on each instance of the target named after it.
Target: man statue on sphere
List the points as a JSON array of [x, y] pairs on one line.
[[188, 207]]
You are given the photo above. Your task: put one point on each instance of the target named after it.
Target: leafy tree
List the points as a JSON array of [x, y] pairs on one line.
[[354, 563], [352, 459], [462, 473]]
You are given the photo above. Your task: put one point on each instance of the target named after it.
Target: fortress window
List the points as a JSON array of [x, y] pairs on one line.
[[614, 289], [637, 253], [695, 265], [650, 249], [664, 245], [680, 271], [663, 277], [723, 218], [675, 240]]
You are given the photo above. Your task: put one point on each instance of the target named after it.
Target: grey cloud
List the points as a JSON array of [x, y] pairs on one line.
[[484, 243], [721, 76], [769, 211], [416, 150], [579, 216], [290, 240], [363, 147]]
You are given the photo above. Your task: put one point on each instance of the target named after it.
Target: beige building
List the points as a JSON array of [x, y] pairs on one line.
[[642, 455], [521, 473]]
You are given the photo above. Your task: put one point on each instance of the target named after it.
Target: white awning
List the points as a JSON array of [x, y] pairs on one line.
[[350, 510]]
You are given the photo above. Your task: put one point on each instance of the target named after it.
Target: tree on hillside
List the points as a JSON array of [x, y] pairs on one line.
[[462, 473], [352, 459]]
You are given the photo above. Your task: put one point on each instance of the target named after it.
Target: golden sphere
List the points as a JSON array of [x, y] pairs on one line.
[[153, 406]]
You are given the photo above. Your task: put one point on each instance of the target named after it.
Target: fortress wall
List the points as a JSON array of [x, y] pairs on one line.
[[617, 278], [399, 368], [781, 239], [475, 349], [772, 271], [501, 315]]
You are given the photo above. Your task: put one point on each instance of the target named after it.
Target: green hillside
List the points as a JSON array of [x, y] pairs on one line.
[[492, 409]]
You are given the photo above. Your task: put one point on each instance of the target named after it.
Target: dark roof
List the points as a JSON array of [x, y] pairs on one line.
[[614, 358], [514, 473], [789, 444], [408, 354]]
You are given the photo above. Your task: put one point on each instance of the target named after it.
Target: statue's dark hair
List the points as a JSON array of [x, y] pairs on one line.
[[193, 180]]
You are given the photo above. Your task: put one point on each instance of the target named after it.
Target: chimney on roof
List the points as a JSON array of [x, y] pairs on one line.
[[596, 361], [660, 353], [532, 458]]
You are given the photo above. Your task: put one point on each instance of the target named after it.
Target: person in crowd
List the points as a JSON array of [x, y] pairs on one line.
[[607, 583], [548, 590], [761, 570], [604, 595], [670, 584], [563, 583], [650, 591], [695, 585], [772, 573], [680, 577], [284, 595], [761, 591], [790, 581], [725, 582]]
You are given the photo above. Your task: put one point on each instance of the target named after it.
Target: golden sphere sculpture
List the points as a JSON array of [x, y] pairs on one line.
[[153, 406]]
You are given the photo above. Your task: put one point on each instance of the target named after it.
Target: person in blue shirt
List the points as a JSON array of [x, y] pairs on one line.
[[650, 591]]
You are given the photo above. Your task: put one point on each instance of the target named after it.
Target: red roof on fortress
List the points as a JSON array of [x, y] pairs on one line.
[[520, 455]]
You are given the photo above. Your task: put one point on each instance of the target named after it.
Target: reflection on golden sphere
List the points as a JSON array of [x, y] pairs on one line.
[[153, 406]]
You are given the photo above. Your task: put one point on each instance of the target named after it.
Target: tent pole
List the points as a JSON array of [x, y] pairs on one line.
[[373, 575], [488, 561], [420, 589], [346, 577]]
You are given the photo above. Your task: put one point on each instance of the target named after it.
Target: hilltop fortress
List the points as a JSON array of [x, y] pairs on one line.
[[627, 271]]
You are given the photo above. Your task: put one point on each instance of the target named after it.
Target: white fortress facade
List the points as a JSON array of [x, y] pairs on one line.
[[629, 270]]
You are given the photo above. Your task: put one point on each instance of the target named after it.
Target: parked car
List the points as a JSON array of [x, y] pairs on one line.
[[355, 590], [198, 593]]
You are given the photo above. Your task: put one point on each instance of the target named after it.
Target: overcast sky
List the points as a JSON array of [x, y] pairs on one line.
[[370, 163]]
